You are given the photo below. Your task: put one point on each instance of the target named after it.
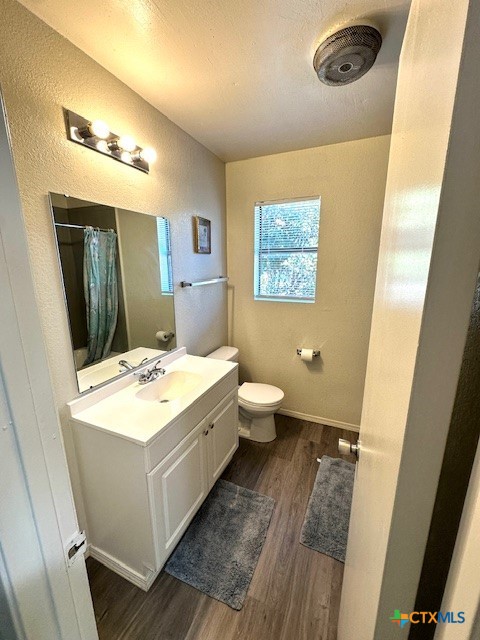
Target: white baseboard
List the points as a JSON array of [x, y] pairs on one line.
[[330, 423], [122, 569]]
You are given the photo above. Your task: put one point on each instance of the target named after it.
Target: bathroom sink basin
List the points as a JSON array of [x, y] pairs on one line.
[[169, 387], [140, 412]]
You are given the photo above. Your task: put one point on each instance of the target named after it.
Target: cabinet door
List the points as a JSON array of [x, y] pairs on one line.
[[222, 426], [178, 486]]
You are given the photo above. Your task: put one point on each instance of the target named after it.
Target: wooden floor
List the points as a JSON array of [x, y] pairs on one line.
[[294, 593]]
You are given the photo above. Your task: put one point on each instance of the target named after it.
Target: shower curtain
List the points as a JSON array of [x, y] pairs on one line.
[[100, 287]]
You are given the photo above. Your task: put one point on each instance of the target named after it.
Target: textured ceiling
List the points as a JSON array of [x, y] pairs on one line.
[[237, 75]]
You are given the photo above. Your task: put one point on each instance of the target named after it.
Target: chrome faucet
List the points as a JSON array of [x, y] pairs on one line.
[[127, 366], [149, 375]]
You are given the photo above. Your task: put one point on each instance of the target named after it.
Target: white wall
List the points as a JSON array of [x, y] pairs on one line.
[[41, 72], [350, 179]]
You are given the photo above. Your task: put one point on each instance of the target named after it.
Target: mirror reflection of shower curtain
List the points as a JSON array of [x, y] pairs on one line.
[[101, 293]]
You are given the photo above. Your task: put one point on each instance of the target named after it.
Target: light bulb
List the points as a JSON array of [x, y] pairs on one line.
[[99, 129], [127, 143], [102, 145], [148, 154], [126, 156]]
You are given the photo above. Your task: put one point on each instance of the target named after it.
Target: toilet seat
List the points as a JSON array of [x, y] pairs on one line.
[[257, 394]]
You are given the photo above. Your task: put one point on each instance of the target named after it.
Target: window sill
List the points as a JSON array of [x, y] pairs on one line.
[[275, 299]]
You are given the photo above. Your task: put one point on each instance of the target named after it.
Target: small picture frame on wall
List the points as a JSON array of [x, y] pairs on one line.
[[202, 231]]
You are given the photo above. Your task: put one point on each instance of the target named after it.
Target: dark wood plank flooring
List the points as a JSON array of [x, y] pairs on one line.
[[294, 593]]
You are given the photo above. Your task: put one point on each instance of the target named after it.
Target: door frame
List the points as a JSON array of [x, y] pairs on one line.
[[34, 418], [462, 590]]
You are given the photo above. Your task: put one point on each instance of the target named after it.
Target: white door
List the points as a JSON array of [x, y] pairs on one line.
[[22, 569], [48, 600], [428, 263]]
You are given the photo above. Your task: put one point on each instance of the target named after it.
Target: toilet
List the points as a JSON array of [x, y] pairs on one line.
[[257, 403]]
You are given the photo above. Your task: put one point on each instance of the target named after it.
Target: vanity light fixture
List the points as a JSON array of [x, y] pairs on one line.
[[96, 135]]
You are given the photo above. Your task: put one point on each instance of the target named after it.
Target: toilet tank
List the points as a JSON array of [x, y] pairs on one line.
[[225, 353]]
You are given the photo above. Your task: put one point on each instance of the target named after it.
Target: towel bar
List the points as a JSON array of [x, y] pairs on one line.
[[200, 283]]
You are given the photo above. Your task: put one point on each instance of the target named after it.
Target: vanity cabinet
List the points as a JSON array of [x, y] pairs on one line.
[[140, 498], [181, 482], [178, 486], [221, 433]]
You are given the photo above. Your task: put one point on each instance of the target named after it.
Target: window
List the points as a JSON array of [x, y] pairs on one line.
[[286, 246], [165, 255]]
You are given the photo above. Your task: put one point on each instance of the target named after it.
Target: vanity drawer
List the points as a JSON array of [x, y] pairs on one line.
[[172, 435]]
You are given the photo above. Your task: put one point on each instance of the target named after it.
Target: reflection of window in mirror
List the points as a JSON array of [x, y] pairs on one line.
[[165, 255]]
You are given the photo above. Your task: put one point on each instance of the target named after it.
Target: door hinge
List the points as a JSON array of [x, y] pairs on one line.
[[76, 547]]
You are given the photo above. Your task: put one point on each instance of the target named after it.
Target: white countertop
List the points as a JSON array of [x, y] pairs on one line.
[[122, 413]]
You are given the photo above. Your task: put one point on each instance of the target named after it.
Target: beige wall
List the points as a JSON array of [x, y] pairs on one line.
[[350, 179], [41, 72]]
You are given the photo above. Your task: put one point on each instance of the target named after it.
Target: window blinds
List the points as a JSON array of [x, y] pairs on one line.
[[286, 246]]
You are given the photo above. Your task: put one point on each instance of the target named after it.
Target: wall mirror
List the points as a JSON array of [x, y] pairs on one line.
[[117, 277]]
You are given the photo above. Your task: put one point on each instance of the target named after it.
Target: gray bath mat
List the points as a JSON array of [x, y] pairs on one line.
[[220, 549], [325, 527]]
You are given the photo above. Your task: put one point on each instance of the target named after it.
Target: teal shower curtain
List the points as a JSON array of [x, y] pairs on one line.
[[101, 293]]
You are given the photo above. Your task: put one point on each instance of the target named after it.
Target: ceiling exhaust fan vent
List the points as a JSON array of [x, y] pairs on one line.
[[347, 55]]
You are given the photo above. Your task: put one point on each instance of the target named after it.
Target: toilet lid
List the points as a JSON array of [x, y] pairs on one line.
[[258, 393]]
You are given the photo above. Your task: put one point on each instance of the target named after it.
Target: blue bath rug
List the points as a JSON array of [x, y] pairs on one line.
[[325, 528], [221, 547]]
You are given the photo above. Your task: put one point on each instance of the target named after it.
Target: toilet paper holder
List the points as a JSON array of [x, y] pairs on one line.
[[164, 336], [316, 353]]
